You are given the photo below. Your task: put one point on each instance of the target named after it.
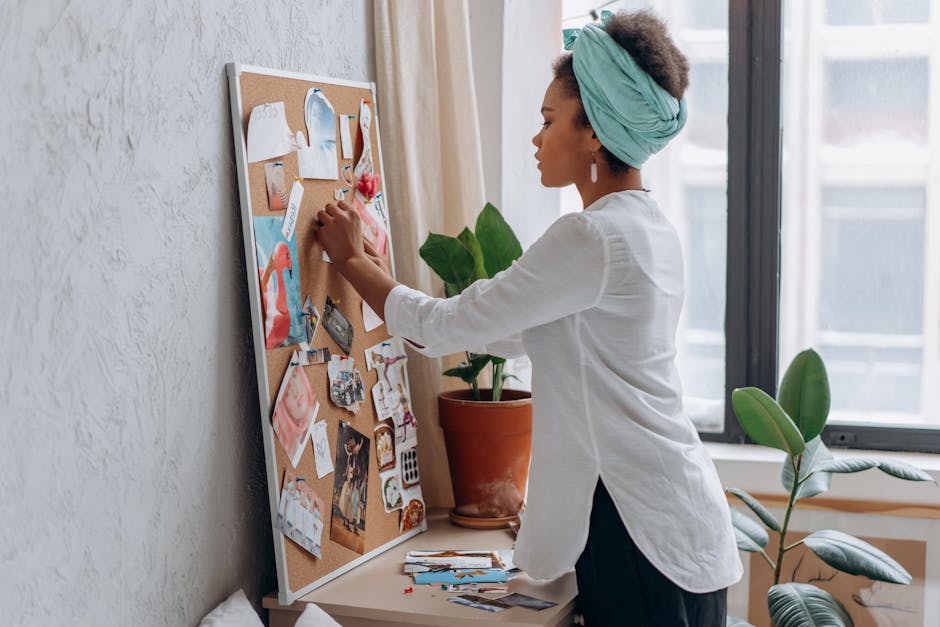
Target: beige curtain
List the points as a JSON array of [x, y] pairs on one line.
[[431, 149]]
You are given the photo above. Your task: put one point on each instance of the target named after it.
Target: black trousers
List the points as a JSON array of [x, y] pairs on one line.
[[617, 585]]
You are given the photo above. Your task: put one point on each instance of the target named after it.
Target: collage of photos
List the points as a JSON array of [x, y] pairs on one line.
[[319, 369]]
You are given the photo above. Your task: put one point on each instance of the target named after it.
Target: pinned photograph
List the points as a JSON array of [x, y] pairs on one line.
[[373, 228], [409, 468], [337, 326], [311, 319], [312, 356], [388, 358], [383, 409], [318, 160], [346, 387], [279, 275], [321, 450], [384, 437], [412, 515], [295, 410], [406, 426], [391, 491], [269, 135], [348, 525], [300, 513], [277, 190], [364, 141]]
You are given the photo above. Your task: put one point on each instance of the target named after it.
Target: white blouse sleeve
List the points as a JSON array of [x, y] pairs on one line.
[[564, 272]]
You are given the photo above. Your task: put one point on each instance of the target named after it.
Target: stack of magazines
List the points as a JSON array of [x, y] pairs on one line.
[[459, 567]]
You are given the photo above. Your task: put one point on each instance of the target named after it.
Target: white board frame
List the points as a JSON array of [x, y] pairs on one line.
[[286, 594]]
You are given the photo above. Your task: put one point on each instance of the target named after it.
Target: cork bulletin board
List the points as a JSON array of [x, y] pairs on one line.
[[299, 570]]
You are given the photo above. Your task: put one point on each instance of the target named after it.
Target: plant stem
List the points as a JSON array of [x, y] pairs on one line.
[[474, 386], [793, 546], [795, 461], [767, 557], [498, 380]]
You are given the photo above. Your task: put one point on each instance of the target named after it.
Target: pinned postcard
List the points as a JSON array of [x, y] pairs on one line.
[[321, 450], [268, 133], [391, 491], [389, 358], [274, 181], [312, 356], [345, 136], [346, 387], [370, 319], [280, 283], [295, 410], [348, 525], [384, 437], [300, 513], [347, 173], [406, 426], [412, 514], [311, 319], [373, 228], [318, 160], [408, 469], [363, 140], [293, 209], [337, 326]]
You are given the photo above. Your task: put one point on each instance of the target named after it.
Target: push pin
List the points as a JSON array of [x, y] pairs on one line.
[[409, 590]]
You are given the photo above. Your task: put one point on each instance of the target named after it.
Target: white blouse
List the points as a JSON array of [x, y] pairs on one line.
[[595, 303]]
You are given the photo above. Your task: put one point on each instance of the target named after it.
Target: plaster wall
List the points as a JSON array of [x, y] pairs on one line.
[[131, 470]]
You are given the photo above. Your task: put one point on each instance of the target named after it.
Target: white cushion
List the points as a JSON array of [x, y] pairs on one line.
[[235, 611], [313, 616]]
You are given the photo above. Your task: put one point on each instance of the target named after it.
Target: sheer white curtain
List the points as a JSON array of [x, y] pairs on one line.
[[431, 147]]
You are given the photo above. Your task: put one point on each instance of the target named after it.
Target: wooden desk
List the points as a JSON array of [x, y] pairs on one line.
[[373, 594]]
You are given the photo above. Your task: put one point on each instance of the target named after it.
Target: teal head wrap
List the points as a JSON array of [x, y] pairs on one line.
[[632, 115]]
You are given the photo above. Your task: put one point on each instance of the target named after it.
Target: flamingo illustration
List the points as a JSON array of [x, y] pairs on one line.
[[277, 318]]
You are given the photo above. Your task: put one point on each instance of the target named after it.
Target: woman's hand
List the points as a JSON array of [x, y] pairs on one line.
[[375, 257], [338, 228]]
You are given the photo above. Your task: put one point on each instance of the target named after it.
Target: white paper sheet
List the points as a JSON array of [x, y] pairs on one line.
[[268, 133], [370, 319], [365, 122], [293, 209], [345, 136], [321, 450]]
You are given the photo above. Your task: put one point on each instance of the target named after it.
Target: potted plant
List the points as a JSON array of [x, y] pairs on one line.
[[792, 423], [487, 432]]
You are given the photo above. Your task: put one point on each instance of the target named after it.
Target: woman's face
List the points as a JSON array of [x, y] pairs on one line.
[[564, 146], [297, 399]]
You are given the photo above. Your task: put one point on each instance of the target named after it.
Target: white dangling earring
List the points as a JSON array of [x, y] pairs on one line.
[[593, 169]]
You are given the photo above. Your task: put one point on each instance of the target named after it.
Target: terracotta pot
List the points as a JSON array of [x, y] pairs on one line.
[[488, 449]]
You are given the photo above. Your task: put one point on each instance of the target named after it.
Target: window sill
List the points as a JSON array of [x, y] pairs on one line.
[[756, 469]]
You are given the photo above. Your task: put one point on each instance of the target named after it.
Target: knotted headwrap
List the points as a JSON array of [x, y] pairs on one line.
[[632, 115]]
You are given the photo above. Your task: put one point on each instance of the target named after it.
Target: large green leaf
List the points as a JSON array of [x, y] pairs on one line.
[[750, 536], [766, 517], [855, 557], [814, 454], [468, 372], [450, 259], [903, 471], [765, 422], [804, 393], [499, 243], [471, 243], [852, 464], [805, 605]]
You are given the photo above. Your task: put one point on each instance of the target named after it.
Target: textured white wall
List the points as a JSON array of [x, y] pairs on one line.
[[131, 475]]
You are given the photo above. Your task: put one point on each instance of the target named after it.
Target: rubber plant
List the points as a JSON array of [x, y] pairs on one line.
[[459, 262], [793, 423]]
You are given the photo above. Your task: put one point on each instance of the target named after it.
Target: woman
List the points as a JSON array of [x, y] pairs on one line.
[[620, 485]]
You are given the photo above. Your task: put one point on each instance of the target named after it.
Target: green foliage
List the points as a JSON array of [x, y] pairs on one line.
[[793, 423], [461, 261], [805, 605]]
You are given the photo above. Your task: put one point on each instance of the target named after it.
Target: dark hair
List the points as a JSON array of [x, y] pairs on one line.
[[645, 37]]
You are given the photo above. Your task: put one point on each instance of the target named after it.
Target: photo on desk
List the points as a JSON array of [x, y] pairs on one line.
[[350, 484]]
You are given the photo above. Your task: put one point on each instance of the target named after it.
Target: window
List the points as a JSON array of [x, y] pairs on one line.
[[813, 217]]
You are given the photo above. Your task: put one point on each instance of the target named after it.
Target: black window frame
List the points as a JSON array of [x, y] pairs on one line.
[[752, 307]]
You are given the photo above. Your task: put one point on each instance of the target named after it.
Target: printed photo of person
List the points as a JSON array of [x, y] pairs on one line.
[[348, 523], [295, 410]]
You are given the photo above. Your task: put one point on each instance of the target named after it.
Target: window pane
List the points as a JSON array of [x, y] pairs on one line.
[[860, 281], [688, 180]]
